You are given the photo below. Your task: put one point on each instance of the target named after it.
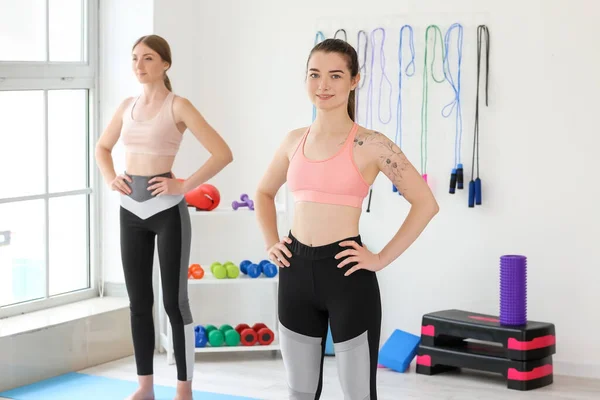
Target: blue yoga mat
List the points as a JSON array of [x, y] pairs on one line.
[[76, 386]]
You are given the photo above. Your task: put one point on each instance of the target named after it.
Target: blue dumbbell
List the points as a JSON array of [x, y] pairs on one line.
[[250, 269], [244, 266], [200, 335], [268, 268]]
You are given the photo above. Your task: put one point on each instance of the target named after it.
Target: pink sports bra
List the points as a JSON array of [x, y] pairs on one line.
[[158, 135], [335, 180]]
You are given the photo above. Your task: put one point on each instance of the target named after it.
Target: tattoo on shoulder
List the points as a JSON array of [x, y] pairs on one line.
[[365, 138], [391, 158]]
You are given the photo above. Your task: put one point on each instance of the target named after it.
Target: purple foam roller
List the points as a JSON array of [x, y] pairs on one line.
[[513, 290]]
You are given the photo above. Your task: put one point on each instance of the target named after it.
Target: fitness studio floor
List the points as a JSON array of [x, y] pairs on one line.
[[262, 376]]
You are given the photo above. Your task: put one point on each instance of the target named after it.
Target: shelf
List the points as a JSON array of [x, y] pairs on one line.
[[228, 349], [209, 279], [279, 208]]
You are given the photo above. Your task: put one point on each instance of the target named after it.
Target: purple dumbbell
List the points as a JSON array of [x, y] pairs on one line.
[[246, 202]]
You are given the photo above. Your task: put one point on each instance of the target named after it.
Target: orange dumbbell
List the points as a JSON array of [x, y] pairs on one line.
[[195, 271]]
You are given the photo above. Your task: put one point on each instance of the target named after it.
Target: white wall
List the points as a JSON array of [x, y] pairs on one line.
[[242, 64]]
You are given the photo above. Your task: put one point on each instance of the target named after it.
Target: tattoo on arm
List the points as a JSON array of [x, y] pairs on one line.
[[391, 159]]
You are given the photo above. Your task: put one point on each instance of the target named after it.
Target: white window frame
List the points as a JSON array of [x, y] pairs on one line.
[[64, 75]]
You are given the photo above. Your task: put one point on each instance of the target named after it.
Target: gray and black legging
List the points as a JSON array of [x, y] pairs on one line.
[[313, 292], [144, 219]]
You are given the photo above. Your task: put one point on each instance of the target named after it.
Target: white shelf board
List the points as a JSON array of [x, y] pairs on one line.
[[228, 349], [279, 208], [209, 279]]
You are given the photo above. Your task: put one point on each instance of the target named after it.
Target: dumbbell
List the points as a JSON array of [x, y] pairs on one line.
[[222, 271], [225, 335], [233, 270], [254, 270], [249, 268], [195, 271], [246, 202], [258, 333], [200, 336], [268, 268]]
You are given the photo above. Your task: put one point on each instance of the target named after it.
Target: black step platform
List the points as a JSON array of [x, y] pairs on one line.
[[532, 341], [451, 339], [520, 375]]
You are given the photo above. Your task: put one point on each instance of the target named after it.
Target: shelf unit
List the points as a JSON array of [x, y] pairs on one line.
[[209, 279], [165, 339], [272, 347]]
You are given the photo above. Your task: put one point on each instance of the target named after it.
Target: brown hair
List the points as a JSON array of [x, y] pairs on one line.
[[161, 46], [344, 48]]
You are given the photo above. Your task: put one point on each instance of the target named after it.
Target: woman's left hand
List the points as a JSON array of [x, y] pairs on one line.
[[162, 185], [358, 254]]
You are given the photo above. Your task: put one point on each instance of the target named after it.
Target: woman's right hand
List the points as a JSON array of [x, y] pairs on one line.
[[120, 185], [277, 252]]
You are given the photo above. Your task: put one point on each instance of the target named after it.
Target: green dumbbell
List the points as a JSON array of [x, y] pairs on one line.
[[208, 329], [232, 337], [218, 270], [224, 335], [232, 270]]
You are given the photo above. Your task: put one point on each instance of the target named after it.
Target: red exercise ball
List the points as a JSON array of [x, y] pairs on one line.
[[205, 197]]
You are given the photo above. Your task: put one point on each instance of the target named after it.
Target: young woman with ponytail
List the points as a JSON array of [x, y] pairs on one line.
[[327, 276], [153, 207]]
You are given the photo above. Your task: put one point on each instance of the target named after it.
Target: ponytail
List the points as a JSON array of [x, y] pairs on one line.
[[352, 105], [168, 83]]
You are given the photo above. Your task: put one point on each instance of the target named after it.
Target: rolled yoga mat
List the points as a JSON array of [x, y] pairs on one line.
[[513, 290]]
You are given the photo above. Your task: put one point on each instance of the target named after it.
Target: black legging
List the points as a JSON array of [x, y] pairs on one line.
[[314, 291], [145, 218]]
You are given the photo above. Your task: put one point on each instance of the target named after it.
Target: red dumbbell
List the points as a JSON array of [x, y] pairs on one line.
[[265, 335], [258, 333], [247, 336]]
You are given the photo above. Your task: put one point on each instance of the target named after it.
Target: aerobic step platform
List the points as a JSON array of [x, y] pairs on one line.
[[522, 354], [520, 375], [532, 341]]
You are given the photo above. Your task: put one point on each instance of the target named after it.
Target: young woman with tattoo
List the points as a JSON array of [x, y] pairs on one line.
[[326, 274]]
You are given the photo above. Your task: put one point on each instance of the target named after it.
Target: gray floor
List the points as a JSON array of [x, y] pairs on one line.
[[261, 375]]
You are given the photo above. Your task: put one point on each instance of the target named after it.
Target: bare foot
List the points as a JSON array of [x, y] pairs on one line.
[[142, 395], [184, 390]]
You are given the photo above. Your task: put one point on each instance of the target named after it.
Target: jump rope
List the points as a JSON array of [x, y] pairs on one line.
[[369, 105], [456, 176], [343, 31], [475, 184], [425, 98], [398, 137]]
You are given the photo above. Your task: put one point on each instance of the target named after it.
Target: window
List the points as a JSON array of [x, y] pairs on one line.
[[47, 130]]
